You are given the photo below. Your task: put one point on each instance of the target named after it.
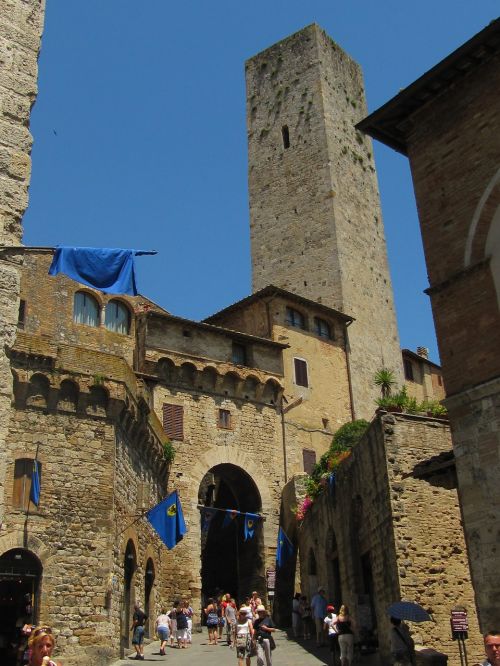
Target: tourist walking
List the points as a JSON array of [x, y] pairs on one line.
[[212, 621], [306, 617], [318, 605], [162, 628], [230, 616], [254, 602], [244, 637], [182, 626], [263, 630], [172, 616], [296, 615], [41, 644], [345, 633], [330, 624], [491, 649], [402, 645], [189, 614], [138, 620]]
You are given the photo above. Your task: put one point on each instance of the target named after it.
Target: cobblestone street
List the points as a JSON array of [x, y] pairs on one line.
[[288, 653]]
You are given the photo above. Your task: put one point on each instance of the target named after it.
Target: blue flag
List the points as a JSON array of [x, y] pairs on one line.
[[284, 550], [110, 270], [35, 483], [249, 528], [167, 520], [230, 517], [331, 483]]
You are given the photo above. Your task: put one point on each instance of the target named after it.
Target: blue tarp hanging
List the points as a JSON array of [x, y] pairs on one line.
[[110, 270]]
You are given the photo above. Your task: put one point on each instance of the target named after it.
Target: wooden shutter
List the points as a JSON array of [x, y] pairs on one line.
[[23, 469], [309, 459], [173, 421], [300, 372]]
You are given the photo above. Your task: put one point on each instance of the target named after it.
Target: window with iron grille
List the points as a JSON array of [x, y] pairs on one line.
[[295, 318], [23, 471], [322, 328], [309, 460], [224, 419], [173, 421], [300, 367]]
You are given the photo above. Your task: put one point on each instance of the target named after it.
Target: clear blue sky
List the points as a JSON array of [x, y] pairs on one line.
[[140, 136]]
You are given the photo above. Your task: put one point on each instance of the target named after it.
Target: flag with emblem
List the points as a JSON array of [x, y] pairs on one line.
[[230, 517], [250, 522], [167, 520], [284, 550]]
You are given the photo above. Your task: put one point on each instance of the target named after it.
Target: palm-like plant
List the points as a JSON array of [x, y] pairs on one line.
[[386, 380]]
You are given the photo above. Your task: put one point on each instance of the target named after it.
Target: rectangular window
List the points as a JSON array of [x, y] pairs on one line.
[[239, 354], [300, 372], [22, 314], [23, 470], [173, 421], [408, 367], [224, 419], [309, 460]]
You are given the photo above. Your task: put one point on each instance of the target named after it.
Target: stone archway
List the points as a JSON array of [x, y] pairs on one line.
[[128, 599], [229, 563], [20, 577]]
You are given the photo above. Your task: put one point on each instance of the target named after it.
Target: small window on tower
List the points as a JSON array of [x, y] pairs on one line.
[[22, 314], [239, 354], [285, 133], [224, 419]]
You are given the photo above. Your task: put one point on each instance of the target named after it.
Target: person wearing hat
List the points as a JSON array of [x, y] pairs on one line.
[[244, 637], [330, 624], [264, 627], [318, 605]]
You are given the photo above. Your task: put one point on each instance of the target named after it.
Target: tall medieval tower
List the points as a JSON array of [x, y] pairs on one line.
[[315, 220]]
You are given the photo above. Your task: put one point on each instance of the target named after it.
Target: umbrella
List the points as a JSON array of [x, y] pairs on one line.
[[408, 610]]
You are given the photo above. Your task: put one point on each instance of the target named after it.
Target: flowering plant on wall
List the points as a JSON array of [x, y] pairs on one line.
[[303, 508]]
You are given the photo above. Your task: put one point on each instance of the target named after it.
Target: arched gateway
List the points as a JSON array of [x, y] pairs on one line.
[[229, 562]]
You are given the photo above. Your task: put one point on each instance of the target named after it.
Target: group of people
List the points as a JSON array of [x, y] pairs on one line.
[[320, 614], [248, 628], [175, 625]]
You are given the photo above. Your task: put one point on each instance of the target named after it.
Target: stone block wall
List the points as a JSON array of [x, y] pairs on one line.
[[21, 24], [392, 530]]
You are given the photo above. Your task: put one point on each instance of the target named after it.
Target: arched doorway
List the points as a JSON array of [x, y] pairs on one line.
[[149, 579], [20, 575], [129, 568], [228, 562]]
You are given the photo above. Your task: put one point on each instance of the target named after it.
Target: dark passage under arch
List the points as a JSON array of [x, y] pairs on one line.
[[228, 562]]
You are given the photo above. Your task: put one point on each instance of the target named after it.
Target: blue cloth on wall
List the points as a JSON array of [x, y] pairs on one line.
[[285, 549], [110, 270], [168, 520]]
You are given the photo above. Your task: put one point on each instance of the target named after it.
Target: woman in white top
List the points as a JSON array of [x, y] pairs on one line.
[[244, 637], [162, 629]]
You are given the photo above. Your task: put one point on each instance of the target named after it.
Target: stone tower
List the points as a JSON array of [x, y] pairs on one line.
[[315, 221]]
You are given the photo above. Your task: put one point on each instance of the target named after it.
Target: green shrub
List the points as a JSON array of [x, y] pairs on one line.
[[168, 452]]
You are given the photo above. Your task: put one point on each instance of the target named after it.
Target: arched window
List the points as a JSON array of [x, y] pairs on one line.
[[117, 317], [295, 318], [322, 328], [86, 309]]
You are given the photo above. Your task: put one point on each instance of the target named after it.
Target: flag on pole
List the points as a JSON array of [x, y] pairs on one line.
[[284, 550], [230, 517], [206, 518], [249, 527], [331, 483], [35, 483], [167, 520]]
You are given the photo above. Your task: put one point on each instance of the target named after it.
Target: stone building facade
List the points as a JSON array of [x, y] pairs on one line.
[[447, 124], [21, 24], [391, 530], [423, 377], [315, 221]]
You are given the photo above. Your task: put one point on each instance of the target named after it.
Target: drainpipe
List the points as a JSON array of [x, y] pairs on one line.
[[348, 366]]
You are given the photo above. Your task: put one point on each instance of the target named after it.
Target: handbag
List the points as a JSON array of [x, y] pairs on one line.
[[272, 643]]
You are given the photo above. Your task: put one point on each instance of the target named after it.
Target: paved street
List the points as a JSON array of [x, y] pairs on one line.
[[287, 653]]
